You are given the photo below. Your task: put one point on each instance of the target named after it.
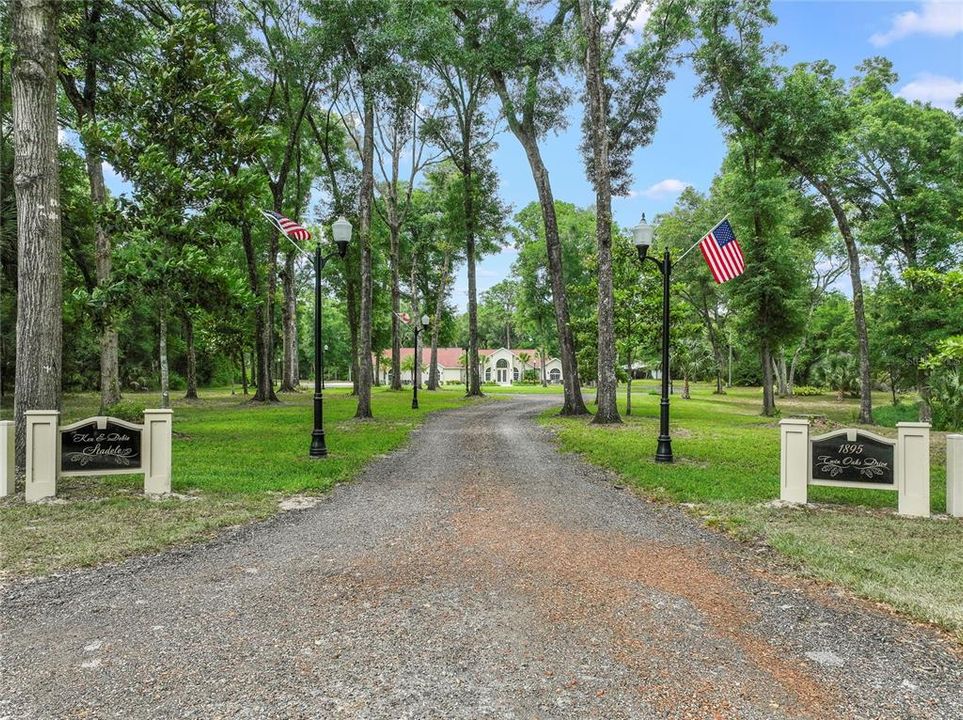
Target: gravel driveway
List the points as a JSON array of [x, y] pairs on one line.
[[478, 573]]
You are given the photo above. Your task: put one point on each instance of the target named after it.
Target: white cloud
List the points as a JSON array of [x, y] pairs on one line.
[[642, 13], [939, 90], [942, 18], [662, 189]]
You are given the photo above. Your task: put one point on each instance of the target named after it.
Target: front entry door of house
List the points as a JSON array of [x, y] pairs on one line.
[[502, 375]]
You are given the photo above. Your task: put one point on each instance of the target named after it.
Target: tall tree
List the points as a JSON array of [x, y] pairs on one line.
[[398, 132], [465, 131], [98, 35], [523, 56], [622, 93], [802, 116], [767, 297], [37, 186]]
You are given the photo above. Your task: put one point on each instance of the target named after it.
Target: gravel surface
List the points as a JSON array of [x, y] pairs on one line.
[[478, 573]]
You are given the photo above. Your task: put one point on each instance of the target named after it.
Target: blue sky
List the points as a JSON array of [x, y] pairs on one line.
[[923, 39]]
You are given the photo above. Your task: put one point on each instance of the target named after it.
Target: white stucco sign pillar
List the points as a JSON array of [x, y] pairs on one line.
[[157, 451], [954, 475], [794, 460], [43, 454], [8, 476], [913, 468]]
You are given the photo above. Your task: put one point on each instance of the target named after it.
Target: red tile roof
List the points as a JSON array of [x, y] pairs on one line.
[[450, 357]]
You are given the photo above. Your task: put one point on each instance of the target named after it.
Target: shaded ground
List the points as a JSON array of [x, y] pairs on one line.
[[478, 573]]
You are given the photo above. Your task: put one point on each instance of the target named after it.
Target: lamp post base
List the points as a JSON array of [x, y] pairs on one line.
[[318, 447], [663, 453]]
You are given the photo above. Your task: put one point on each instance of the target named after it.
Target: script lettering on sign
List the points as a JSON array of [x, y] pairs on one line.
[[864, 459], [87, 448]]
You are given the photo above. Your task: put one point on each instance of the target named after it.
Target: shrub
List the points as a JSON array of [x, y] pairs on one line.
[[126, 410], [839, 372], [807, 390]]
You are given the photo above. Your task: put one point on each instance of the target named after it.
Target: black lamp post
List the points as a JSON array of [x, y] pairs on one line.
[[643, 239], [421, 324], [341, 230]]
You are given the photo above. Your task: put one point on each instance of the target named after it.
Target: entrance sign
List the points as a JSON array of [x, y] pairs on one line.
[[97, 446], [852, 457], [100, 445], [857, 458]]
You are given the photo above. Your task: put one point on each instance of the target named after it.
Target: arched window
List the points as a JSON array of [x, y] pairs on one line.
[[488, 374], [503, 363], [555, 375], [515, 374]]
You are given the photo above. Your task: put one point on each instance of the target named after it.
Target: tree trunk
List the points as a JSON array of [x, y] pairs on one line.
[[596, 92], [768, 401], [435, 327], [628, 385], [191, 358], [165, 380], [685, 387], [779, 366], [36, 181], [541, 354], [243, 373], [859, 311], [416, 321], [395, 258], [364, 220], [290, 380], [264, 391], [109, 363], [351, 288], [572, 403], [474, 379]]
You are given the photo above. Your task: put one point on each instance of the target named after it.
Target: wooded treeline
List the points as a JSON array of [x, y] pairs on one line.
[[847, 199]]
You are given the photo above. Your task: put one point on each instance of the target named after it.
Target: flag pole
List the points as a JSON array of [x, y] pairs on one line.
[[700, 239]]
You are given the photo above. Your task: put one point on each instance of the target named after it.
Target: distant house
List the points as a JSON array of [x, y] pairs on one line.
[[501, 366]]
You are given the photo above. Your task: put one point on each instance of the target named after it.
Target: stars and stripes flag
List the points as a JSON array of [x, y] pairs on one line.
[[722, 253], [291, 228]]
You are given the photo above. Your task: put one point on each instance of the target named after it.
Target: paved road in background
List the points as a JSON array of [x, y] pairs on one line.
[[478, 573]]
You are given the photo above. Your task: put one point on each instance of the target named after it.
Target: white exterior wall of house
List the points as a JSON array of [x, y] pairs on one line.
[[499, 366]]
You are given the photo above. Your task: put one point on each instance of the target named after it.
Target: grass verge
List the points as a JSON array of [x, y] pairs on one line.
[[727, 463], [233, 461]]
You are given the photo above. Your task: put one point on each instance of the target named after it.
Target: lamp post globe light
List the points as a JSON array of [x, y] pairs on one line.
[[642, 237], [341, 232], [421, 324]]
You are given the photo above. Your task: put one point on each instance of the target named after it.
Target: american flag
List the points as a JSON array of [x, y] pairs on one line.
[[722, 253], [292, 229]]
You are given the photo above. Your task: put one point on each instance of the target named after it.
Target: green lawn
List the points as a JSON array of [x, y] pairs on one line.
[[233, 461], [727, 464]]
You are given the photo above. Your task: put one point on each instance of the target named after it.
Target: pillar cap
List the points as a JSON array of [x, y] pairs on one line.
[[41, 412], [160, 411], [794, 421], [913, 424]]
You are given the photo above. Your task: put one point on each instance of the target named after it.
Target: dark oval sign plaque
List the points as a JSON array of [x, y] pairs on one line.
[[850, 456], [99, 445]]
